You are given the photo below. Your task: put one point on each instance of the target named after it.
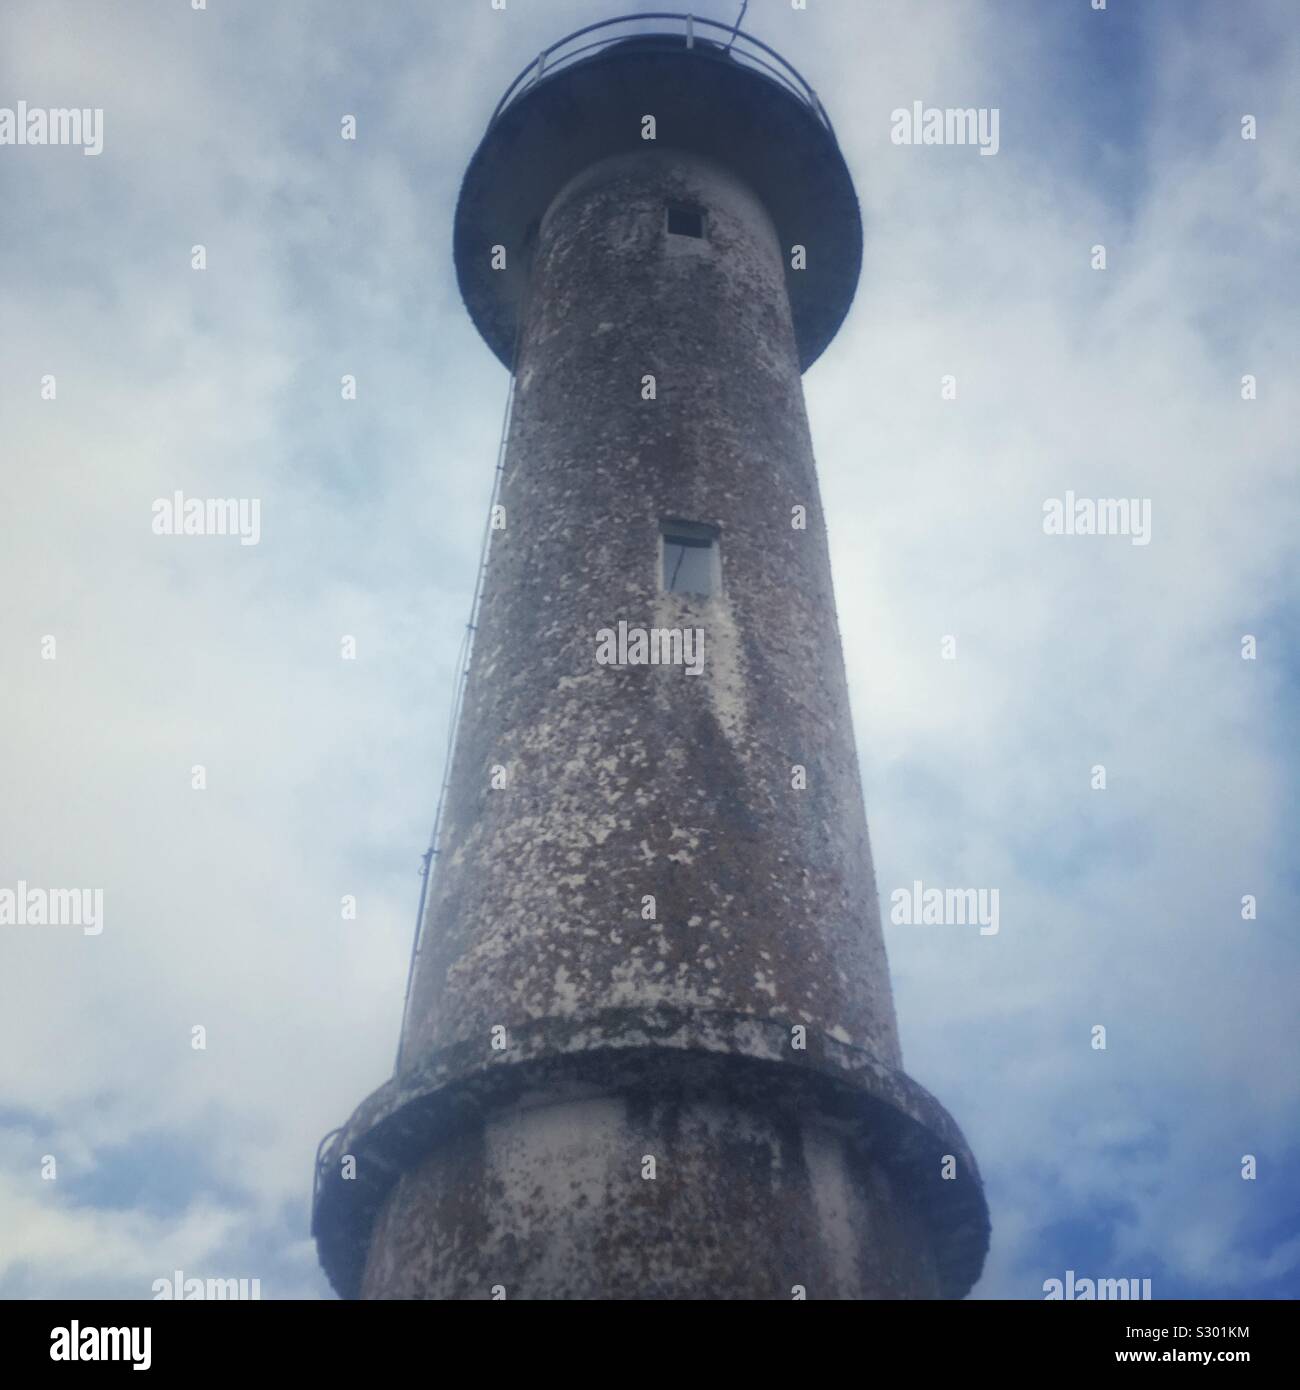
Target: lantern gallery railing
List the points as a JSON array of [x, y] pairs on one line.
[[729, 45]]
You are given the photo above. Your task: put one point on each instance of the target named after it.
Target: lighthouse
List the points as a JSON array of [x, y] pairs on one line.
[[649, 1048]]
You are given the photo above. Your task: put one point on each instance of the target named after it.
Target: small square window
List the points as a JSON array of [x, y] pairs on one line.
[[684, 221], [691, 562]]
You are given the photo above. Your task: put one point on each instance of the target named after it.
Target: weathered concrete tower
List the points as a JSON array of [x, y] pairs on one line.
[[650, 1048]]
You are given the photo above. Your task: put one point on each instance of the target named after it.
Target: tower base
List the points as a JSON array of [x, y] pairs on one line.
[[651, 1154]]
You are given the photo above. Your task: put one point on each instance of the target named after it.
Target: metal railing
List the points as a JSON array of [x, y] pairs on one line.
[[739, 47], [318, 1171], [428, 864]]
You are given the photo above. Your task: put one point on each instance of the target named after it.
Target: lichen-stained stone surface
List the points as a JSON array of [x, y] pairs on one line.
[[551, 1201], [647, 780], [650, 1049]]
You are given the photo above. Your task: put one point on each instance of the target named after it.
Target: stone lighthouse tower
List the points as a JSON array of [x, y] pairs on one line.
[[650, 1048]]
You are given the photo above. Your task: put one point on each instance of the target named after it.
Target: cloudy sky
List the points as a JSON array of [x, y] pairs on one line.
[[1118, 907]]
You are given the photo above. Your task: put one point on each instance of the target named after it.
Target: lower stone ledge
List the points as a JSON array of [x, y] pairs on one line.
[[649, 1053]]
